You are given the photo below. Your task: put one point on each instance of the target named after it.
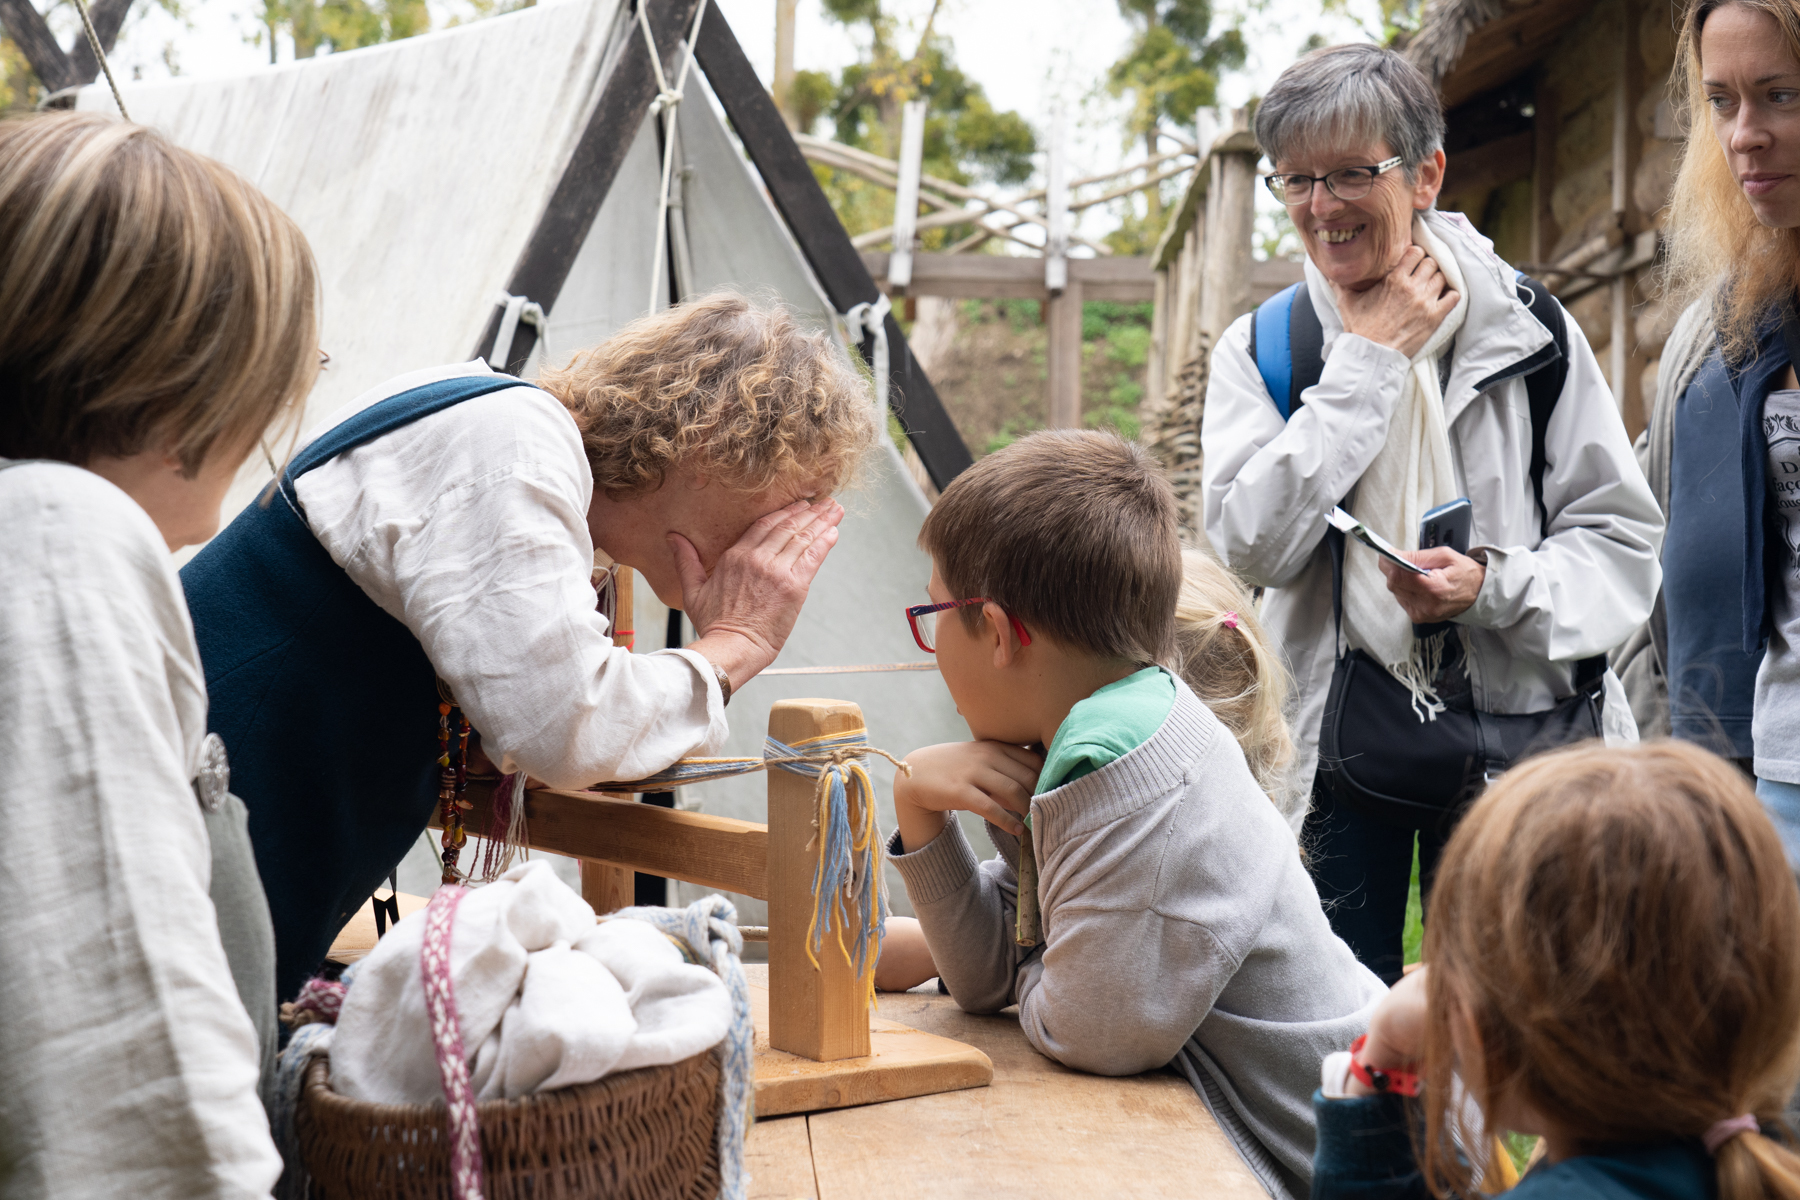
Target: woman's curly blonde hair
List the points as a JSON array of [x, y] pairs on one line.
[[718, 385]]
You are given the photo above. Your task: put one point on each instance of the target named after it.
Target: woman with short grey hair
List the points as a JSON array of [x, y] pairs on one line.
[[1421, 387]]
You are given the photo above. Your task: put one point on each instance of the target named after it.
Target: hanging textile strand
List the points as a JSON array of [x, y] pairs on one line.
[[664, 105], [849, 895], [87, 23]]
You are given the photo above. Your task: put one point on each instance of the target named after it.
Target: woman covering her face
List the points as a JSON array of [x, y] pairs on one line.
[[426, 561], [157, 316]]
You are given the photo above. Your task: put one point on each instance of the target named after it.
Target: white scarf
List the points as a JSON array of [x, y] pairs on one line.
[[1411, 474]]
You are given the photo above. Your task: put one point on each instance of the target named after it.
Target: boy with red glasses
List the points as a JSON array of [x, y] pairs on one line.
[[1148, 905]]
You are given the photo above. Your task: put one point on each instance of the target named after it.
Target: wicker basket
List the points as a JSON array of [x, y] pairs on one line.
[[638, 1135]]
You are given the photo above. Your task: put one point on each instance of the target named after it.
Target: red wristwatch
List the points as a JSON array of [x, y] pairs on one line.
[[1402, 1083]]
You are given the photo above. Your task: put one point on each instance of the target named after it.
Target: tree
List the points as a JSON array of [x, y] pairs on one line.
[[966, 138], [343, 24], [1171, 70]]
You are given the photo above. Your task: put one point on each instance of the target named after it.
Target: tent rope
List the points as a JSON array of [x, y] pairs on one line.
[[87, 23], [869, 319], [516, 309], [665, 105]]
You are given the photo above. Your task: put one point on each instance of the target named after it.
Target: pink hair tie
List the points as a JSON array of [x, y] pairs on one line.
[[1230, 621], [1720, 1132]]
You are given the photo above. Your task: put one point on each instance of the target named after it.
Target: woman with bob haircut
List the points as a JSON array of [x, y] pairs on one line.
[[428, 561], [1723, 446], [1433, 361], [157, 317], [1611, 967]]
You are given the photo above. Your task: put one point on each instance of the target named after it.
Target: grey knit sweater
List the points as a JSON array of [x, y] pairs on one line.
[[1180, 928]]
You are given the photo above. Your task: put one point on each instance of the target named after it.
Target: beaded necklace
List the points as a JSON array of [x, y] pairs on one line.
[[453, 782]]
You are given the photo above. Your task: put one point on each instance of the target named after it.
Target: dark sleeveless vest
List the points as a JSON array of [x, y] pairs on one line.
[[327, 705]]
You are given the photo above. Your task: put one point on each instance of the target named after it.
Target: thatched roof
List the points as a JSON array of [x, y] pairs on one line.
[[1468, 47], [1444, 28]]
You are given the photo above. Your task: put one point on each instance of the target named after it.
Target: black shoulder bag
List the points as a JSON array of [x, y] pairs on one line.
[[1375, 755]]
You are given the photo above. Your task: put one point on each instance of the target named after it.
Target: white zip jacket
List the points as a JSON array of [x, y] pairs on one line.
[[1546, 602]]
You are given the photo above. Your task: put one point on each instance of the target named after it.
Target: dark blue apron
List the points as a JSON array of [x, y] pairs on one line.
[[327, 705]]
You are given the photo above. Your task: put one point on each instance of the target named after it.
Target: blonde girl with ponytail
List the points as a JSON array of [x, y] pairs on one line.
[[1227, 658], [1612, 966]]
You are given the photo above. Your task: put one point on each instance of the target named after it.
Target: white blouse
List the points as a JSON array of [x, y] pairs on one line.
[[469, 526], [128, 1066]]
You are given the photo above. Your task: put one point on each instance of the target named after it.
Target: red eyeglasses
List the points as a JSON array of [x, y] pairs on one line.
[[923, 619]]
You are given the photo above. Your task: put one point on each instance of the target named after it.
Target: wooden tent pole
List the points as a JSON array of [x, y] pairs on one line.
[[607, 886], [569, 214], [819, 1013]]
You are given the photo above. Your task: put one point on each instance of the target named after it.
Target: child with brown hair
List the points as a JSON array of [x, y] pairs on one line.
[[1175, 923], [1612, 945]]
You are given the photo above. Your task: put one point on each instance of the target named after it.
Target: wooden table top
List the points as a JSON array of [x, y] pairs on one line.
[[1039, 1132]]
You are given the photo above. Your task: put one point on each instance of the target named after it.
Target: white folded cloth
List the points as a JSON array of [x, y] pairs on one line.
[[545, 998]]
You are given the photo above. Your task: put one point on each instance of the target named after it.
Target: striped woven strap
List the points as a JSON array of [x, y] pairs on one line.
[[447, 1042]]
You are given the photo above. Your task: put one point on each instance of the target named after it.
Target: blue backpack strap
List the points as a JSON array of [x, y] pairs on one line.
[[1287, 343]]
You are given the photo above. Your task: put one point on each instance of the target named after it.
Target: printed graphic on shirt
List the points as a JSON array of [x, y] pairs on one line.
[[1781, 429]]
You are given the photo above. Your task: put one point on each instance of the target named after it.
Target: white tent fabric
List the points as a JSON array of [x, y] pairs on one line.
[[418, 169]]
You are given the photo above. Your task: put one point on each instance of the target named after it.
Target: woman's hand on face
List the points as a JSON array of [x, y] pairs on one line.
[[1454, 583], [1404, 309], [745, 609]]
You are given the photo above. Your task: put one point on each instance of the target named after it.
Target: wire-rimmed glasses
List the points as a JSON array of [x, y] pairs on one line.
[[923, 619], [1346, 183]]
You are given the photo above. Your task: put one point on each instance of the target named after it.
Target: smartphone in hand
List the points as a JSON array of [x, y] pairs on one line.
[[1448, 525]]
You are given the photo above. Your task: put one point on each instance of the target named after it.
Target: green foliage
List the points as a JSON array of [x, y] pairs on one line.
[[1399, 19], [334, 25], [19, 86], [1173, 64], [1099, 318], [967, 140], [1413, 935], [1170, 69]]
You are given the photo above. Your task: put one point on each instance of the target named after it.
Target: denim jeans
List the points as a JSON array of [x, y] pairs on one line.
[[1782, 802]]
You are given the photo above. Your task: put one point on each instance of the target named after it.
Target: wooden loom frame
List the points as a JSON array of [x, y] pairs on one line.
[[825, 1049]]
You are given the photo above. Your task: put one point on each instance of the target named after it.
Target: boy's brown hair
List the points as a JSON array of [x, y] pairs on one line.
[[1621, 931], [1071, 532], [149, 296]]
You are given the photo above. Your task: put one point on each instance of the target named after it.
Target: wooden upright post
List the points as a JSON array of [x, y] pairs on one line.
[[1231, 211], [1063, 357], [606, 886], [818, 1013]]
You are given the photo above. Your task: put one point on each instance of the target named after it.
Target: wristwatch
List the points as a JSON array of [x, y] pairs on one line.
[[724, 682]]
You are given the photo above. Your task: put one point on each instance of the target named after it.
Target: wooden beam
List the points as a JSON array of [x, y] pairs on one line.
[[1508, 45], [31, 34], [1063, 358], [1127, 280], [816, 1011], [568, 217], [1489, 166], [715, 852], [821, 237]]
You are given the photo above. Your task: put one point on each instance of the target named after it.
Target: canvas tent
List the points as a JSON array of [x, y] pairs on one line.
[[519, 156]]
